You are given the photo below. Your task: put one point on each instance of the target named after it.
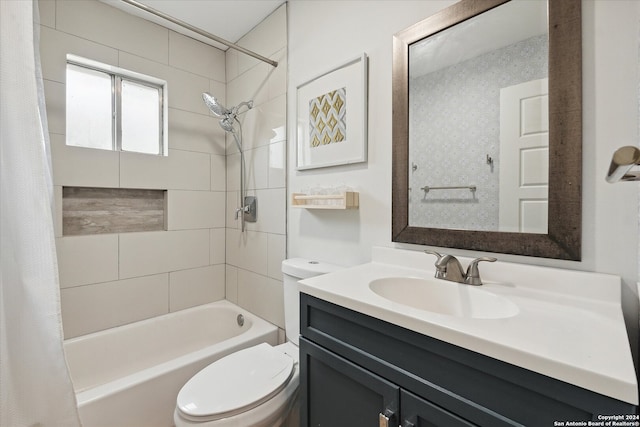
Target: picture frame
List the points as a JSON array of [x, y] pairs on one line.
[[332, 113]]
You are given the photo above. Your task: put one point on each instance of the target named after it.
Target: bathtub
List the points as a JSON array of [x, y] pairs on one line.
[[129, 376]]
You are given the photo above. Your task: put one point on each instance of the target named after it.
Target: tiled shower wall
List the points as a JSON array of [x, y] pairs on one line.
[[112, 279], [254, 279]]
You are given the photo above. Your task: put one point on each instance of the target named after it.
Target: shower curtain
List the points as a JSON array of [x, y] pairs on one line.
[[35, 388]]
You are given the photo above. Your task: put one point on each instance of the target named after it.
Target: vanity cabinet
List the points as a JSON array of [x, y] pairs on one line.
[[356, 370]]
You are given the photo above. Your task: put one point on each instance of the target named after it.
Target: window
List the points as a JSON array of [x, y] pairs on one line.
[[110, 108]]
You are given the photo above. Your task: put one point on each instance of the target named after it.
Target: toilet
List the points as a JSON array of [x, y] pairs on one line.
[[257, 386]]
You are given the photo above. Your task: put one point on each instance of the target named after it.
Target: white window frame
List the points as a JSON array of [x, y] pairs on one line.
[[117, 74]]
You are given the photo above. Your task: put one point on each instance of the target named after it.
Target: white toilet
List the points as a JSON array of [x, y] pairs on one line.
[[257, 386]]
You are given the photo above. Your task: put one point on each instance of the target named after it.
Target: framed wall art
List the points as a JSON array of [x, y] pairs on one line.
[[332, 117]]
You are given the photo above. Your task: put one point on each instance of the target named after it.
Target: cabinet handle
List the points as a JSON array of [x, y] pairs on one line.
[[383, 419], [408, 423]]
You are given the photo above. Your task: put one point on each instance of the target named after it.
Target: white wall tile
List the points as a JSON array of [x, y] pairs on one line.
[[196, 286], [247, 250], [186, 91], [277, 85], [83, 167], [189, 170], [87, 259], [232, 63], [138, 170], [143, 254], [264, 124], [55, 100], [233, 202], [55, 45], [162, 251], [196, 57], [184, 88], [277, 164], [233, 172], [188, 249], [231, 281], [271, 211], [47, 12], [217, 239], [195, 209], [195, 132], [262, 296], [91, 308], [257, 172], [218, 173], [252, 84], [267, 37], [276, 253], [96, 21]]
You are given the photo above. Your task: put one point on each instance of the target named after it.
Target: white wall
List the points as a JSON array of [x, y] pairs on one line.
[[610, 119], [112, 279]]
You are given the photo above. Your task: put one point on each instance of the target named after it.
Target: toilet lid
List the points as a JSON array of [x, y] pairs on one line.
[[236, 383]]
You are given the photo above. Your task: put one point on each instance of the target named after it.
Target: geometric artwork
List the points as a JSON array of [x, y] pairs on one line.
[[328, 118], [321, 117]]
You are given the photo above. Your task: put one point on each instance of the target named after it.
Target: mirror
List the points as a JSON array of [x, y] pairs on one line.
[[487, 129]]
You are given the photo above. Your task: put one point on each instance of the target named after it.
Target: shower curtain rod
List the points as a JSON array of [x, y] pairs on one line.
[[200, 32]]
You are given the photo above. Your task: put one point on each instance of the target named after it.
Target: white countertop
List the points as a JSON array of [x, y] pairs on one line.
[[569, 325]]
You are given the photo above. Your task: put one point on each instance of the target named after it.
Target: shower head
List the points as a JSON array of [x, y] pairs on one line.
[[213, 104]]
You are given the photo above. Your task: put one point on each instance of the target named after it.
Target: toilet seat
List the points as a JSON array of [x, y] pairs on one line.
[[235, 383]]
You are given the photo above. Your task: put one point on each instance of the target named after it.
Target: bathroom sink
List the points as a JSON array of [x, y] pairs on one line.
[[442, 297]]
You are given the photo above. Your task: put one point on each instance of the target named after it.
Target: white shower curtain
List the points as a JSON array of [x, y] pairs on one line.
[[35, 388]]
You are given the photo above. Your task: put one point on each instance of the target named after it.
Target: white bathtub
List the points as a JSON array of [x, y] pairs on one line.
[[129, 376]]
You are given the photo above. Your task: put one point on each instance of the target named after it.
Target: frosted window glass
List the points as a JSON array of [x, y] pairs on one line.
[[89, 108], [140, 118]]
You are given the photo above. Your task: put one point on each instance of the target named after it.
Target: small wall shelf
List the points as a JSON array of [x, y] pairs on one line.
[[347, 200]]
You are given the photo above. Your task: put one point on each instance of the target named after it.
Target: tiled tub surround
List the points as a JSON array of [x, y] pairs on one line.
[[109, 280], [253, 275], [569, 325], [147, 362]]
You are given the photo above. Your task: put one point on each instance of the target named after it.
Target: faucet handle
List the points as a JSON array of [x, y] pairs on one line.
[[440, 264], [434, 253], [473, 274]]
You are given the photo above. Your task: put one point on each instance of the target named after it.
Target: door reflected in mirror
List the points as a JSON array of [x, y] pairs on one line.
[[479, 123]]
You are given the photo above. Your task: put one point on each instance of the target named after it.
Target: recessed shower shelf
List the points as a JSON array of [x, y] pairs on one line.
[[347, 200]]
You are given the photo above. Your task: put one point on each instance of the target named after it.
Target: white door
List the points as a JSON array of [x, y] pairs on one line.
[[524, 157]]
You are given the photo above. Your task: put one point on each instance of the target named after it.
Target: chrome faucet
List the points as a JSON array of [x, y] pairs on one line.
[[449, 268]]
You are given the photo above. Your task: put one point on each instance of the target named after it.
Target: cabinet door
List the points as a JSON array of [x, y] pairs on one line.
[[417, 412], [338, 393]]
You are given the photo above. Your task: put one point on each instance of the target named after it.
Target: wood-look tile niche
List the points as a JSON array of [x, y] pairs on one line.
[[111, 210]]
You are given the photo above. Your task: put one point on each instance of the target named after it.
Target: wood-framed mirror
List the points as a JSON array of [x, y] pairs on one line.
[[563, 158]]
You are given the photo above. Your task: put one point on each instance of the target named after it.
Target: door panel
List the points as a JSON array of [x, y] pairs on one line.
[[524, 158], [339, 393]]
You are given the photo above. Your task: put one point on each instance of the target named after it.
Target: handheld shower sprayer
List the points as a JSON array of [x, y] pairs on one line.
[[228, 118]]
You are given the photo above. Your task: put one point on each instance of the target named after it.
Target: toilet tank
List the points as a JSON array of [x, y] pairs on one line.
[[293, 270]]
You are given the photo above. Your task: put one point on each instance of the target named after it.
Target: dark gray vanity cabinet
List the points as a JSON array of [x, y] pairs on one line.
[[356, 370]]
